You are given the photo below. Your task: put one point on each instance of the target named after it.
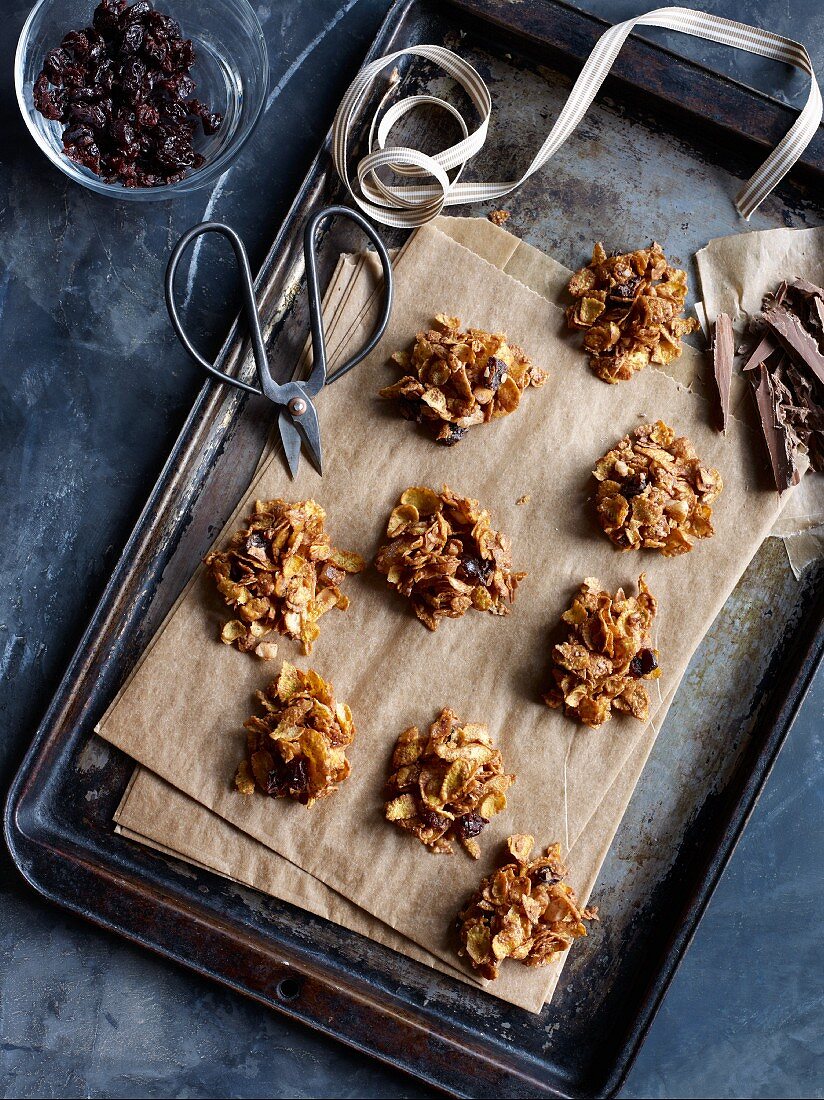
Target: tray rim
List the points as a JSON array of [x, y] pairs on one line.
[[207, 400]]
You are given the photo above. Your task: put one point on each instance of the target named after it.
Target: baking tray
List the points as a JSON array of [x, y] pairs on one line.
[[661, 153]]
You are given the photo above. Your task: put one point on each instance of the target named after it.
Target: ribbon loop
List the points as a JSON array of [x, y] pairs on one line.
[[406, 206]]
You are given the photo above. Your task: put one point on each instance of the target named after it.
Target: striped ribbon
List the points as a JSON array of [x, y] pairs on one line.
[[409, 205]]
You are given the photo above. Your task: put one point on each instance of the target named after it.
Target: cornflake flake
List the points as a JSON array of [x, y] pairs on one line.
[[446, 785], [296, 746], [653, 492], [606, 655], [522, 911], [281, 573], [630, 308], [453, 379], [443, 555]]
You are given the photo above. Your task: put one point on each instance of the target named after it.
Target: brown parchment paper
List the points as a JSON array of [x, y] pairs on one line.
[[736, 272], [156, 814], [182, 714]]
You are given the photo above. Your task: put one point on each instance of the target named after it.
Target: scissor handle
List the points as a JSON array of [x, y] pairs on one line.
[[317, 378], [247, 288]]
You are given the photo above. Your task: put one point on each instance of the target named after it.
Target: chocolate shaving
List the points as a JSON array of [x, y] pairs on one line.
[[761, 353], [795, 338], [786, 369], [780, 439], [723, 352]]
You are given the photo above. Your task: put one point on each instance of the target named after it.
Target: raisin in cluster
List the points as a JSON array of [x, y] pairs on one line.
[[122, 89]]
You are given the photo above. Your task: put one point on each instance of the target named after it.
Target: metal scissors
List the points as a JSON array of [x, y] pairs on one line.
[[297, 418]]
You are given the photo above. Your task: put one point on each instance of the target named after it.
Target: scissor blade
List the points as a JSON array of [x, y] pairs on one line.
[[290, 438], [311, 431]]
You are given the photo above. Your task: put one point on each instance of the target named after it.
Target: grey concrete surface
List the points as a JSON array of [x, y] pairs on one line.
[[93, 390]]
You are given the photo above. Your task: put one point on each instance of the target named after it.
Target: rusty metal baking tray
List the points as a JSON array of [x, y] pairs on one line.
[[661, 153]]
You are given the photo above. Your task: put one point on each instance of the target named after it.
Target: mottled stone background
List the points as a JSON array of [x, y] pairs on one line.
[[93, 391]]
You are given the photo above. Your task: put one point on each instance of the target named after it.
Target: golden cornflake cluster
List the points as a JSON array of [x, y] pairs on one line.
[[606, 656], [443, 555], [280, 573], [446, 785], [296, 748], [654, 493], [454, 379], [630, 307], [522, 911]]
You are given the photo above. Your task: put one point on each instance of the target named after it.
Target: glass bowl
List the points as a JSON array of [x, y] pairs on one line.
[[231, 72]]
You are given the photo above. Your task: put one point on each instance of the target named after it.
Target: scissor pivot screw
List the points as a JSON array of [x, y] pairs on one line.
[[297, 406]]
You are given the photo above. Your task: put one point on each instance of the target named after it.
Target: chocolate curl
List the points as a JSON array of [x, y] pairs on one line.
[[723, 352]]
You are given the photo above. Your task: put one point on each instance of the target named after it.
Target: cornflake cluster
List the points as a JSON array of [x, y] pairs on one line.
[[281, 573], [654, 493], [446, 785], [444, 556], [455, 379], [606, 656], [296, 748], [630, 309], [522, 911]]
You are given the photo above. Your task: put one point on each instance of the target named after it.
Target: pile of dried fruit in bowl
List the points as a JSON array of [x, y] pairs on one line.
[[606, 656], [280, 573], [444, 556], [296, 747], [454, 379], [446, 785], [522, 911], [630, 308], [654, 493], [123, 91]]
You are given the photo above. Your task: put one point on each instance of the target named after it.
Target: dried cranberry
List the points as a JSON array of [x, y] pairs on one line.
[[50, 103], [452, 435], [78, 135], [543, 876], [183, 53], [163, 25], [174, 148], [146, 116], [475, 570], [55, 65], [433, 820], [87, 114], [102, 77], [625, 292], [123, 134], [494, 372], [75, 76], [470, 825], [255, 541], [157, 52], [77, 43], [211, 122], [634, 486], [643, 663], [137, 12], [132, 38], [106, 18], [174, 111], [87, 155], [288, 779], [178, 86], [97, 46]]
